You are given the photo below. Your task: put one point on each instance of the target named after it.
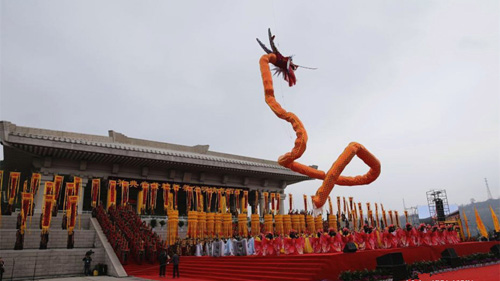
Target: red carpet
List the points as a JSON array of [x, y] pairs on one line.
[[486, 273], [298, 267]]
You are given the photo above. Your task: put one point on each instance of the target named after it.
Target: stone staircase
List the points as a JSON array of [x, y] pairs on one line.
[[56, 260]]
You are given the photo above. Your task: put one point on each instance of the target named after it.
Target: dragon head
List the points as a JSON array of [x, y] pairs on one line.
[[284, 65]]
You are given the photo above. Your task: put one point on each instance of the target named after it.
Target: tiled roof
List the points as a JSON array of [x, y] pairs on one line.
[[136, 148]]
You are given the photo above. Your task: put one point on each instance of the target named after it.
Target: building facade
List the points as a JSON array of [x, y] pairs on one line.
[[117, 156]]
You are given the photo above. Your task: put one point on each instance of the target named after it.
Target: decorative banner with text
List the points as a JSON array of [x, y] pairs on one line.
[[35, 183], [96, 192], [48, 202], [14, 179], [71, 212], [111, 194], [125, 190]]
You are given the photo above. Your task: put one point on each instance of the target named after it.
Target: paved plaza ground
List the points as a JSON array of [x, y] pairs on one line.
[[110, 278]]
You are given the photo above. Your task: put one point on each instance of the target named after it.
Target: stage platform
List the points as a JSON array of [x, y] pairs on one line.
[[296, 267]]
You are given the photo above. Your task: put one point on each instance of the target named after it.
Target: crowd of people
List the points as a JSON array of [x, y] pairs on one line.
[[321, 242], [128, 234], [124, 227]]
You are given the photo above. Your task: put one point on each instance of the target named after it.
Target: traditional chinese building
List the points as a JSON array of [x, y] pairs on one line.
[[118, 157]]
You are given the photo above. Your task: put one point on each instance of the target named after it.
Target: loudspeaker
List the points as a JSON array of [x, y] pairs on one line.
[[440, 209], [350, 248], [394, 265], [451, 257], [391, 259], [495, 249], [449, 253]]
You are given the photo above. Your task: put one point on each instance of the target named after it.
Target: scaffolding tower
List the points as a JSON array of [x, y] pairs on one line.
[[413, 216], [438, 204]]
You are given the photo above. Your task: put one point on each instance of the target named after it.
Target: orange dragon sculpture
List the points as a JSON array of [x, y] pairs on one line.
[[286, 67]]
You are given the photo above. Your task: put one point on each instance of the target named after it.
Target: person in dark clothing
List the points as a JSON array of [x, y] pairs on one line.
[[163, 262], [87, 260], [175, 262], [2, 269]]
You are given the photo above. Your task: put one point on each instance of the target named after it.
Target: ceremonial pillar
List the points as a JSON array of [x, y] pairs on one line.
[[311, 226], [279, 229], [319, 223], [302, 220], [218, 225], [296, 222], [192, 224], [255, 224], [268, 223], [173, 226], [227, 224], [211, 225], [202, 225], [332, 221], [243, 224], [287, 224]]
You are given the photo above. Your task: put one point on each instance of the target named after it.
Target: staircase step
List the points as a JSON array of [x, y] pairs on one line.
[[243, 276]]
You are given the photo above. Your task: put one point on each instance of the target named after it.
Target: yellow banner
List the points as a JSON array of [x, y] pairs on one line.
[[480, 225], [466, 225], [495, 220]]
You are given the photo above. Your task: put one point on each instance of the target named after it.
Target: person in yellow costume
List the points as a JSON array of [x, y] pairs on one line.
[[307, 245]]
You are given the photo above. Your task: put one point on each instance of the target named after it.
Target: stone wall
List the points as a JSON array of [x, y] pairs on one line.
[[45, 263]]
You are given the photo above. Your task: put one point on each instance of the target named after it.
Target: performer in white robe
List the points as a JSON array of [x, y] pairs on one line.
[[218, 248], [208, 249], [244, 247], [199, 249], [228, 248], [251, 246]]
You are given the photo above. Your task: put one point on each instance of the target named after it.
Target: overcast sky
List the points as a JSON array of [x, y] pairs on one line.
[[416, 82]]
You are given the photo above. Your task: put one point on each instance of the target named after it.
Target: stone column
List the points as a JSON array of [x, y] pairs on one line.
[[38, 200], [85, 181], [282, 204], [261, 204]]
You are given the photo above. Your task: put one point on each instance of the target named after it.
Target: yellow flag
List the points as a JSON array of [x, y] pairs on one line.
[[480, 224], [466, 226], [140, 198], [495, 220]]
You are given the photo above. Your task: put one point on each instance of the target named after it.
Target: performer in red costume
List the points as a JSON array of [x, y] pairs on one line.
[[346, 236], [407, 236], [442, 235], [278, 245], [324, 241], [434, 235], [268, 245], [335, 241], [289, 243], [299, 244], [360, 238], [370, 239], [389, 238], [316, 242], [258, 245]]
